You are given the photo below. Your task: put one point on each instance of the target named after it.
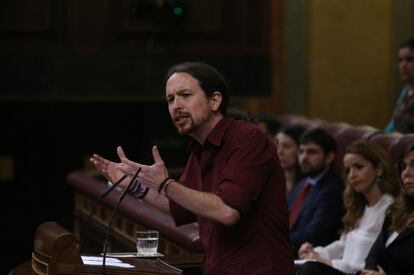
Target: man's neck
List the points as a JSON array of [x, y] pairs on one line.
[[202, 133], [315, 178]]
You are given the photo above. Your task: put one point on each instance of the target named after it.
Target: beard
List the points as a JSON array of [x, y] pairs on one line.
[[188, 128], [190, 124], [313, 171]]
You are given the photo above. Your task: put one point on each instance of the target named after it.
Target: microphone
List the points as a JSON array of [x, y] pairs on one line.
[[101, 197], [108, 232]]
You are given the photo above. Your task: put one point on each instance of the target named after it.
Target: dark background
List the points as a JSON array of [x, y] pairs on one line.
[[82, 76]]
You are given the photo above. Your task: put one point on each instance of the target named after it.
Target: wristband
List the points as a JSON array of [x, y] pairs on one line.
[[166, 186], [162, 184]]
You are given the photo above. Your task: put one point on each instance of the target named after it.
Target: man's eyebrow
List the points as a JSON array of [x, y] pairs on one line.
[[183, 91]]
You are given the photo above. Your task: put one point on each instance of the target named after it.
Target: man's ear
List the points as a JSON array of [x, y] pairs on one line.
[[215, 101]]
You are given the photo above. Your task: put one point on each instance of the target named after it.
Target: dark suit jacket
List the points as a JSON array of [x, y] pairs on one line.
[[320, 217], [398, 257]]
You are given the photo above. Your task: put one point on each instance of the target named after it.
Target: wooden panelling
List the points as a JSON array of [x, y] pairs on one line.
[[205, 26], [136, 26], [123, 48], [187, 16], [26, 15], [86, 24], [350, 61], [33, 26]]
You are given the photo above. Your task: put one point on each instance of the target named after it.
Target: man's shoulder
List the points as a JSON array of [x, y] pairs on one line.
[[239, 128], [332, 175], [331, 181], [249, 137]]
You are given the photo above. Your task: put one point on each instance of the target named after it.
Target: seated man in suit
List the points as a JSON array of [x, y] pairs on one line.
[[315, 203]]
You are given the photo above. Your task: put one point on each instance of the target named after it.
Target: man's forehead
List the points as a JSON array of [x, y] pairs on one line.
[[179, 82], [406, 52], [310, 146]]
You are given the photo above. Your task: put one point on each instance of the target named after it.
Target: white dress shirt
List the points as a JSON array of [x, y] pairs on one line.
[[349, 252]]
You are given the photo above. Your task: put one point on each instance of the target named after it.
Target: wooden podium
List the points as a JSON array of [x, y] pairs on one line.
[[56, 251]]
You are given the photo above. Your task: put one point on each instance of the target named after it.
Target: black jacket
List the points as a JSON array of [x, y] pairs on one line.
[[398, 257]]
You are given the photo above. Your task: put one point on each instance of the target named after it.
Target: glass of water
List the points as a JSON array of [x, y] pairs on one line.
[[147, 242]]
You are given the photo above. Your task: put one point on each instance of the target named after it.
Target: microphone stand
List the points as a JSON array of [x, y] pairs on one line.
[[88, 221], [121, 197]]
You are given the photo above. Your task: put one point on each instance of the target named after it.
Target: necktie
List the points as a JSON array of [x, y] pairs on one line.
[[297, 204]]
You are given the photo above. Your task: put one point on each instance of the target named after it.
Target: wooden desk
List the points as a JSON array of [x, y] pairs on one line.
[[23, 269], [185, 262], [153, 266]]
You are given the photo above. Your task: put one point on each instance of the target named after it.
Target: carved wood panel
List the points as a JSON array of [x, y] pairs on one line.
[[134, 26]]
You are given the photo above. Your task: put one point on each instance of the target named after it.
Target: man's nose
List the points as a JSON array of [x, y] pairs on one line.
[[176, 104]]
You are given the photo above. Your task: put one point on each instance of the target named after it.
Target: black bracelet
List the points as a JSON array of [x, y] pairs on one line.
[[166, 186], [162, 184]]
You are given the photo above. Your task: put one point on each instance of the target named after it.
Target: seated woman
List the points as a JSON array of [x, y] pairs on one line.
[[392, 252], [287, 142], [371, 184]]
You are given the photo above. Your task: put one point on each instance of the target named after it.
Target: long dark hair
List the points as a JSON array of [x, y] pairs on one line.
[[401, 210]]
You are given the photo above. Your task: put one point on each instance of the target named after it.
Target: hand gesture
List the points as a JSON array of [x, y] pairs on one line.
[[109, 169], [150, 175]]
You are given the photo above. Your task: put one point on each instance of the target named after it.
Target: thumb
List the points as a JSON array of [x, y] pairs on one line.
[[156, 155], [121, 153], [380, 269]]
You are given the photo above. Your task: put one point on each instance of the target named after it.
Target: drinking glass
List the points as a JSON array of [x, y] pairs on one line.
[[147, 242]]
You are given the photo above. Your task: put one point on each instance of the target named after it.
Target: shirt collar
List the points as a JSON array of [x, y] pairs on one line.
[[314, 180], [216, 135]]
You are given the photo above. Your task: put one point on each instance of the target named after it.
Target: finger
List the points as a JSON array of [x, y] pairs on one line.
[[101, 159], [125, 160], [123, 157], [156, 155], [380, 269], [98, 165]]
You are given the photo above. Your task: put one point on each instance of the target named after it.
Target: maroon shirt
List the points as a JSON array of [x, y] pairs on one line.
[[239, 163]]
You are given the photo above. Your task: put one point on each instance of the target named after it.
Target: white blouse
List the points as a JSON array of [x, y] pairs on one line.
[[349, 252]]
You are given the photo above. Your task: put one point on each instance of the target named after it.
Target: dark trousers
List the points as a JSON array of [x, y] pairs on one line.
[[317, 268]]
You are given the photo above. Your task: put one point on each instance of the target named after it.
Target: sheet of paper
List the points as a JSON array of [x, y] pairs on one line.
[[93, 260]]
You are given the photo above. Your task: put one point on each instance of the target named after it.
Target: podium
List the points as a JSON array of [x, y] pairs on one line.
[[181, 245], [56, 251]]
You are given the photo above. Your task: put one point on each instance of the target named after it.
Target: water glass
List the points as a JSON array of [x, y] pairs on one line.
[[147, 242]]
